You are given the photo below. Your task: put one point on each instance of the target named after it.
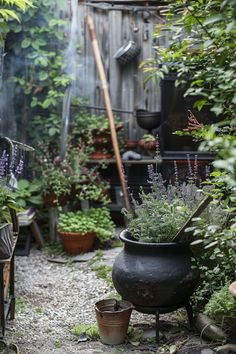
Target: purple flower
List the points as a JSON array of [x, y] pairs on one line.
[[19, 167], [3, 164]]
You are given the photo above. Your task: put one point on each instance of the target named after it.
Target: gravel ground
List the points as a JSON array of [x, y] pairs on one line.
[[52, 298]]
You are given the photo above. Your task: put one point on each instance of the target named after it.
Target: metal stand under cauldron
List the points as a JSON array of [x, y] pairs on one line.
[[161, 310]]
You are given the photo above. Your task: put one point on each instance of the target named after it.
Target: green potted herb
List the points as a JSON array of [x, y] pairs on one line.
[[78, 230], [55, 182], [96, 129], [87, 182], [148, 143]]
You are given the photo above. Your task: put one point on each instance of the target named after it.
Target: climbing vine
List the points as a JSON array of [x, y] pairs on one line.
[[39, 79]]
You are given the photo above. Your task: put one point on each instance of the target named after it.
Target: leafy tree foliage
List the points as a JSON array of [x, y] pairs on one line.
[[7, 12], [36, 48], [202, 51]]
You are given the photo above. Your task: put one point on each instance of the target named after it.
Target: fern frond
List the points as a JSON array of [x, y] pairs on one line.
[[8, 14]]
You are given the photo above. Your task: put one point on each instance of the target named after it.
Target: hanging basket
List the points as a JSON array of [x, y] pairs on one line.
[[127, 53]]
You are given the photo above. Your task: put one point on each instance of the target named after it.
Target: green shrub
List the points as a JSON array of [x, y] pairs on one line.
[[221, 305]]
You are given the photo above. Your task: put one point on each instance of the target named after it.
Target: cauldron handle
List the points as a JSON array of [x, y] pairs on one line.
[[201, 207]]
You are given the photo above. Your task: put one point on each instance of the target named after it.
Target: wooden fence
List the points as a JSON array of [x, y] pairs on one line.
[[115, 25]]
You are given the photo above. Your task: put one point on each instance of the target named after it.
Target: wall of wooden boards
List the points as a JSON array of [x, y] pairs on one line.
[[114, 27]]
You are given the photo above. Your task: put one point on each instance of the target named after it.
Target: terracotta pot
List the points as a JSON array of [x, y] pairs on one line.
[[76, 243], [147, 145], [100, 155], [113, 320], [103, 144], [51, 200], [131, 144]]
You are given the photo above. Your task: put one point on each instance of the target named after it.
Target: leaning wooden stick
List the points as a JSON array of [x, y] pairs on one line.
[[108, 106], [201, 207]]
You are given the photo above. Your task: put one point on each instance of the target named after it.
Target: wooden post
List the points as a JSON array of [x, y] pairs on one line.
[[53, 216], [108, 106]]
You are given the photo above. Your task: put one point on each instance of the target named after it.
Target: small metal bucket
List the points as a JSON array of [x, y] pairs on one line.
[[113, 320]]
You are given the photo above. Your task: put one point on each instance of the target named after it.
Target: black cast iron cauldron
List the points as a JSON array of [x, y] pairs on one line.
[[157, 275]]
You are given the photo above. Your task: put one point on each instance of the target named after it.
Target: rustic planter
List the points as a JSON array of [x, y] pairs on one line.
[[52, 201], [76, 243], [154, 275], [148, 146], [103, 144], [113, 320], [131, 144]]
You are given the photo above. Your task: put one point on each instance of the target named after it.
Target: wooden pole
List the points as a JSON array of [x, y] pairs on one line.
[[108, 106]]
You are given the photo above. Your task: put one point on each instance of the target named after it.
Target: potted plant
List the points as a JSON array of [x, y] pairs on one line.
[[153, 272], [87, 182], [55, 185], [148, 143], [77, 230], [7, 204], [96, 129]]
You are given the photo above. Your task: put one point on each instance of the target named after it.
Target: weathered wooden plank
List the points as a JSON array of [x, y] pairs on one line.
[[114, 38], [113, 29]]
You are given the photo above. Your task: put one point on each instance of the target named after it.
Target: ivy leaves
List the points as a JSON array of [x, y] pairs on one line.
[[40, 78]]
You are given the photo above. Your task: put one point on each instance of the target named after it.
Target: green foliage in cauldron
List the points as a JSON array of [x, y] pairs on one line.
[[159, 214]]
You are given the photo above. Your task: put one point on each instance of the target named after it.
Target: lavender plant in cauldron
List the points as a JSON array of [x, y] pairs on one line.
[[152, 271]]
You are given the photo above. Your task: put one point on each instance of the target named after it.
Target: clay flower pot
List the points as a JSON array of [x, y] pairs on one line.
[[75, 242], [148, 146], [51, 200], [131, 144], [103, 144]]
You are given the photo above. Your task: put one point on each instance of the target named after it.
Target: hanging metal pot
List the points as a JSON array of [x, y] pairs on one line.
[[128, 52]]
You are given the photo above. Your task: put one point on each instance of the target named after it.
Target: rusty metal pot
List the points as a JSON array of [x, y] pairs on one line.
[[113, 320]]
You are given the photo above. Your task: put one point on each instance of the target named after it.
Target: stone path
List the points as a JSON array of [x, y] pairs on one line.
[[53, 297]]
